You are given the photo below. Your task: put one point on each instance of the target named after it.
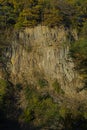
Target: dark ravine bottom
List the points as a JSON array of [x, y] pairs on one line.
[[69, 124]]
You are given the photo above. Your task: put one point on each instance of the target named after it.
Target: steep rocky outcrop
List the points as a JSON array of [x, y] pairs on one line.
[[43, 52]]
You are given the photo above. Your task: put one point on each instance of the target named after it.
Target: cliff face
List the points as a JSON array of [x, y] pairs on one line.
[[41, 52]]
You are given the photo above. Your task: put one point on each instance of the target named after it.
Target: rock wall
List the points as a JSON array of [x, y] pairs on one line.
[[43, 52]]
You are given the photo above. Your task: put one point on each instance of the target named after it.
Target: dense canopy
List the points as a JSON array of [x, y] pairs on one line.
[[28, 13]]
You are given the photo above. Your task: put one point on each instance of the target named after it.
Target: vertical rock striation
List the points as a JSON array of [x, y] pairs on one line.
[[43, 51]]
